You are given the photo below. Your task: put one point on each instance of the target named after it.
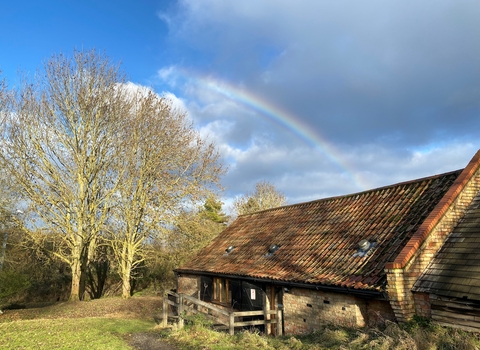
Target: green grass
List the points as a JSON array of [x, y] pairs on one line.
[[86, 333]]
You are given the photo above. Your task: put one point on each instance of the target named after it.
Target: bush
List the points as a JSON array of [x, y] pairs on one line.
[[199, 320], [12, 283]]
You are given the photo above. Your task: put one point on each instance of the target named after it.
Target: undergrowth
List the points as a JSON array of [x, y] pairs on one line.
[[416, 334], [113, 323]]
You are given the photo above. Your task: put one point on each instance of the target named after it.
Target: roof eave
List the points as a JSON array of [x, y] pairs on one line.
[[365, 293]]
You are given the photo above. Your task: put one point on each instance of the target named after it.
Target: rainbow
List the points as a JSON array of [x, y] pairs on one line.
[[286, 120]]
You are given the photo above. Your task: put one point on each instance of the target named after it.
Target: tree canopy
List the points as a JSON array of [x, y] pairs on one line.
[[264, 197]]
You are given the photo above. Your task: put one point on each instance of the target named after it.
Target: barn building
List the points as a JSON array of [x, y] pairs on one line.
[[382, 254]]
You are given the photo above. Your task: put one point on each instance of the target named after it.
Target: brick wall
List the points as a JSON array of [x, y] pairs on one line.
[[305, 310], [189, 284], [378, 311], [402, 275], [422, 304]]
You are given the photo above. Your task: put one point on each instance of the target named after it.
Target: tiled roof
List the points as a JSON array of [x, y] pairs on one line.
[[318, 240], [455, 269], [437, 213]]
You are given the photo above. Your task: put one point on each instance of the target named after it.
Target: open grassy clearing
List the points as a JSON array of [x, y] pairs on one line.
[[73, 333], [145, 307], [108, 323]]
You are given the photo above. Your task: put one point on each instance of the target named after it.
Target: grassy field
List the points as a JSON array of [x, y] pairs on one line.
[[115, 323], [85, 333], [109, 323]]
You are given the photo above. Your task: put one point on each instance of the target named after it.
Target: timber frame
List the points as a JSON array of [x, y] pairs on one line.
[[183, 305]]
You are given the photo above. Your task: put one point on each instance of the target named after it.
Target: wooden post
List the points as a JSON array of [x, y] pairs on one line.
[[165, 309], [231, 323], [180, 311], [265, 314], [279, 322]]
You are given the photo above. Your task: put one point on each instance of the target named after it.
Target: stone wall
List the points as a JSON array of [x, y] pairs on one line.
[[305, 310], [420, 250], [189, 284]]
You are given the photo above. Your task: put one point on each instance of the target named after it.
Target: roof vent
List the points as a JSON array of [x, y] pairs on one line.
[[272, 249], [229, 249], [364, 246]]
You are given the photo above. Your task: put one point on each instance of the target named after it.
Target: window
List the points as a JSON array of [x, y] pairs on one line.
[[221, 290]]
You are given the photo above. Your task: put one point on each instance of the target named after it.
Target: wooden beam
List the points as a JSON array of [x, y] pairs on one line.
[[205, 304], [279, 322], [165, 310]]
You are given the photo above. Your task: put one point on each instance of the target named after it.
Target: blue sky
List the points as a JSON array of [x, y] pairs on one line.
[[319, 98]]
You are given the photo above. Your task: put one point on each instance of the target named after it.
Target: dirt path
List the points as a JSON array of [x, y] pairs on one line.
[[149, 341]]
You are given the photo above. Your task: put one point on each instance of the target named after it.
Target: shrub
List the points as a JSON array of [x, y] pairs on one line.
[[12, 283], [199, 320]]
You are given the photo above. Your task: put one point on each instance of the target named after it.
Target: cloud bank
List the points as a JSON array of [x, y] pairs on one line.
[[363, 94]]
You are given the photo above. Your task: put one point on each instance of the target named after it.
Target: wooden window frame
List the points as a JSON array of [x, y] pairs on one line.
[[221, 291]]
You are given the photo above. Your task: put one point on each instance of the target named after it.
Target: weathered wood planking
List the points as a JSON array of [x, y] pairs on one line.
[[455, 313]]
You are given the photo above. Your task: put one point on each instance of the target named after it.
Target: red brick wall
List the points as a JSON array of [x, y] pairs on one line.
[[422, 304], [379, 311]]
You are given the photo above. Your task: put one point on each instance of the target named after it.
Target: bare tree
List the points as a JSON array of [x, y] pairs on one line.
[[192, 230], [165, 166], [101, 162], [59, 141], [265, 196], [9, 212]]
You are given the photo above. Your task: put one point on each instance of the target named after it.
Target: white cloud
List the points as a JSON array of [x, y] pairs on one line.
[[169, 75], [177, 102]]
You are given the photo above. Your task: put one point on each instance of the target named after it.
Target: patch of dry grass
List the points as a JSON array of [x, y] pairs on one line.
[[391, 336], [86, 333], [136, 307]]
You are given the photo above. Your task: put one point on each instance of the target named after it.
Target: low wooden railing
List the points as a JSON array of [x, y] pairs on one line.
[[185, 304]]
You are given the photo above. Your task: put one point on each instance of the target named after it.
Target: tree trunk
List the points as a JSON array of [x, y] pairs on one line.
[[127, 271], [76, 277], [83, 278], [126, 286], [79, 271]]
